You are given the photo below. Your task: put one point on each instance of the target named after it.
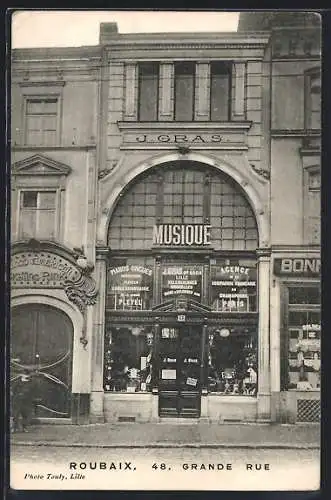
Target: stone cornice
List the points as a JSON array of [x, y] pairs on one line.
[[180, 126]]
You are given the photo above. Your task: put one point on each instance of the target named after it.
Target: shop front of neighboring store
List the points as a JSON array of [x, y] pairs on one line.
[[297, 276], [182, 304]]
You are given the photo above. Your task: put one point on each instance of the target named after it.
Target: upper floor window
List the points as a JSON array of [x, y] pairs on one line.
[[184, 91], [37, 217], [41, 121], [219, 91], [148, 91], [313, 100], [313, 206], [38, 195]]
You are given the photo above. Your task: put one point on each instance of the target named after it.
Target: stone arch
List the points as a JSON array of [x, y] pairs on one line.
[[226, 166]]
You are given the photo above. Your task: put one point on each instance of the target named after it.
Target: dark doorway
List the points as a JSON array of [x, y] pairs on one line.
[[41, 342], [180, 371]]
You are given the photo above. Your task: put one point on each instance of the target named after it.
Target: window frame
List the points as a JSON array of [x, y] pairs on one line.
[[309, 75], [307, 172], [229, 66], [284, 331], [42, 97], [192, 119], [57, 210], [157, 74]]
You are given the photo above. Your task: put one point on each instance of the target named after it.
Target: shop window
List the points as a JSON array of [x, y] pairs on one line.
[[130, 284], [232, 361], [37, 217], [148, 91], [302, 339], [41, 121], [219, 91], [184, 91], [313, 99], [233, 285], [128, 359]]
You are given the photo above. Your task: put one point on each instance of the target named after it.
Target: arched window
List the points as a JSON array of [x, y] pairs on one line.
[[183, 193]]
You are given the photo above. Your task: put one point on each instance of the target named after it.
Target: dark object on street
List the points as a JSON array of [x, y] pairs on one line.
[[21, 402]]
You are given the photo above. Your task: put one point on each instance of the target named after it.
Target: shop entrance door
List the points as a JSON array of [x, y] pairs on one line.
[[180, 371]]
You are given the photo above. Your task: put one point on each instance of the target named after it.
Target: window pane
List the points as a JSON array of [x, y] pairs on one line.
[[28, 223], [184, 91], [50, 106], [219, 92], [128, 359], [233, 361], [46, 224], [29, 199], [148, 91], [47, 199], [304, 295]]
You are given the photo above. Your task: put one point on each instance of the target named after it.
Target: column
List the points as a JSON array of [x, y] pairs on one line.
[[204, 375], [97, 392], [263, 397], [202, 91], [155, 373], [239, 69], [166, 89], [131, 87]]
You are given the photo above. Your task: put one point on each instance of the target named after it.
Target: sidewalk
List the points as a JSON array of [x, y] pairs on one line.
[[164, 435]]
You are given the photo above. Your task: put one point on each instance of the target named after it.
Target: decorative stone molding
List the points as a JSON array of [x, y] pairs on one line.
[[40, 165], [81, 291], [105, 171], [261, 171]]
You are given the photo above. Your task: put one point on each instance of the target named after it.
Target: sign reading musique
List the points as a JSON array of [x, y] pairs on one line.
[[181, 234]]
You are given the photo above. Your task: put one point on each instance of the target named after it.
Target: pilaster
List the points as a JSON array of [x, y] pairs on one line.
[[97, 392], [239, 70], [263, 406], [202, 91], [166, 90], [130, 103]]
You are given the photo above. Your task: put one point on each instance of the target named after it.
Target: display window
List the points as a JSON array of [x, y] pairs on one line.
[[302, 339], [232, 361], [128, 359]]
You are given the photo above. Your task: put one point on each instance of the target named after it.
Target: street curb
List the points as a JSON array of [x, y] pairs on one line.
[[170, 445]]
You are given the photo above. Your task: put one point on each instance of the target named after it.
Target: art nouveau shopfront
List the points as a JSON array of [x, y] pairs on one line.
[[187, 299], [52, 296]]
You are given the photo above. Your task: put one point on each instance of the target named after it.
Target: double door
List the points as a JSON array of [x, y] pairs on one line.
[[180, 371]]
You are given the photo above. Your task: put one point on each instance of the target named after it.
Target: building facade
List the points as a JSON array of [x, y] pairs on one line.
[[165, 239]]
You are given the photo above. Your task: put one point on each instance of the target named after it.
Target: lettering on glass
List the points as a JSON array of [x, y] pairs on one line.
[[183, 279], [233, 286], [130, 288]]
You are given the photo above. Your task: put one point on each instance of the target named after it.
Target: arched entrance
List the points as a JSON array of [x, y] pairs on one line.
[[181, 301], [42, 342]]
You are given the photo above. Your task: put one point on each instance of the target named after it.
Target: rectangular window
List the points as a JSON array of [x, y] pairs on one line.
[[184, 91], [148, 91], [37, 214], [219, 91], [128, 358], [41, 121], [130, 284], [233, 363], [313, 100], [302, 339], [312, 203]]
